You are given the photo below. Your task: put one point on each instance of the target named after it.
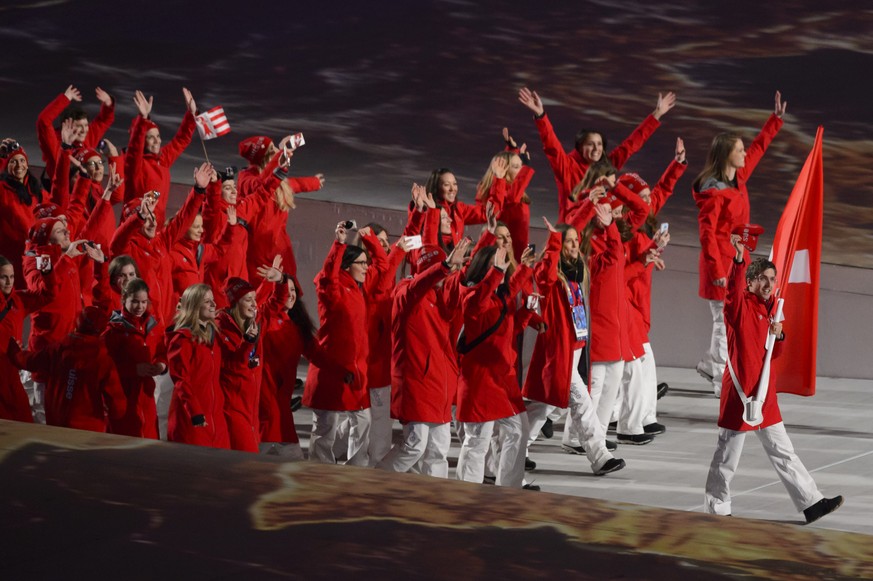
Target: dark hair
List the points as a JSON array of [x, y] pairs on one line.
[[120, 262], [758, 266], [4, 261], [572, 271], [134, 286], [583, 134], [433, 182], [479, 265], [376, 228], [719, 151], [300, 317], [351, 254], [595, 171], [73, 112]]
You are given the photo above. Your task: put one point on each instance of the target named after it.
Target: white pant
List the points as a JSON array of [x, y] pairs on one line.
[[777, 445], [637, 396], [324, 433], [715, 359], [424, 449], [35, 395], [163, 396], [512, 432], [650, 378], [605, 385], [381, 423]]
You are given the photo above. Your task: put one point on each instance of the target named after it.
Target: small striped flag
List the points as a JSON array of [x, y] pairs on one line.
[[212, 123]]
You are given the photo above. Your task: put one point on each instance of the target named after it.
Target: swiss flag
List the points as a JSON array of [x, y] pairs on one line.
[[797, 256]]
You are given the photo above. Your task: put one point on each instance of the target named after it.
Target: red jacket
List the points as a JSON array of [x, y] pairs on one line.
[[424, 375], [195, 368], [747, 319], [152, 255], [343, 334], [130, 341], [551, 365], [569, 167], [721, 207], [14, 404], [15, 221], [516, 214], [379, 306], [52, 323], [82, 385], [488, 387], [192, 259], [50, 138], [146, 171], [463, 214]]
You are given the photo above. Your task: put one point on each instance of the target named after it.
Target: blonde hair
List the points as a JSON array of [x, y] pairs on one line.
[[188, 313], [595, 172], [284, 196], [239, 319], [484, 187]]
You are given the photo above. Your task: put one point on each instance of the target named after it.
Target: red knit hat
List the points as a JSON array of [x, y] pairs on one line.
[[149, 124], [633, 182], [235, 289], [46, 210], [83, 154], [427, 257], [41, 231], [254, 149], [19, 151]]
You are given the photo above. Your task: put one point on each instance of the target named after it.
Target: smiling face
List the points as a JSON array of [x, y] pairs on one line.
[[195, 232], [228, 192], [17, 167], [292, 294], [124, 276], [504, 238], [591, 148], [137, 303], [207, 307], [762, 285], [80, 129], [514, 167], [383, 240], [737, 157], [570, 247], [7, 279], [94, 167], [448, 187], [153, 141], [358, 269], [248, 306], [445, 222]]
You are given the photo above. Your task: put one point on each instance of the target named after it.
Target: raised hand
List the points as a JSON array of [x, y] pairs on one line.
[[73, 251], [341, 233], [490, 217], [604, 214], [95, 253], [501, 259], [103, 97], [203, 175], [665, 103], [499, 165], [231, 216], [73, 94], [113, 183], [531, 100], [597, 193], [111, 150], [272, 273], [510, 142], [366, 230], [68, 132], [404, 243], [189, 101], [680, 150], [458, 254], [549, 225], [528, 257], [143, 105], [780, 106], [320, 177]]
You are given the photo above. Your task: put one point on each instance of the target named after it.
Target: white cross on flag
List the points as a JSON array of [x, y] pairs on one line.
[[797, 256], [212, 123]]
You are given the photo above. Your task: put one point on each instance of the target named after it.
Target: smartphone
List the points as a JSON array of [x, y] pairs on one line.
[[533, 248], [664, 227], [414, 242], [350, 225], [295, 141], [533, 302]]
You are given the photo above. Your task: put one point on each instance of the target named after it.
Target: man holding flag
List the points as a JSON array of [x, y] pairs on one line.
[[751, 316]]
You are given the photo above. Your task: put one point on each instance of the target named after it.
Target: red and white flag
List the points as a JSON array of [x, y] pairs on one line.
[[212, 123], [797, 256]]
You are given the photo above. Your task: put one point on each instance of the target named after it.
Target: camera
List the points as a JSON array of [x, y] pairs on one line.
[[295, 141], [8, 147], [350, 225], [254, 361], [101, 147]]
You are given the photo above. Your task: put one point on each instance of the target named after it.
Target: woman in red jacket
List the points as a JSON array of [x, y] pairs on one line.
[[558, 369], [20, 193], [723, 202], [423, 373], [338, 392], [194, 360], [239, 328], [135, 340], [488, 394]]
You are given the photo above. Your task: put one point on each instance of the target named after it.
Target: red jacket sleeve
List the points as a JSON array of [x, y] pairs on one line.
[[707, 221], [638, 210], [327, 281], [634, 142], [171, 151], [180, 223], [580, 214], [665, 186], [759, 147], [61, 178], [133, 158], [45, 131], [373, 282], [121, 239], [100, 124], [564, 168], [76, 209], [305, 184], [180, 357]]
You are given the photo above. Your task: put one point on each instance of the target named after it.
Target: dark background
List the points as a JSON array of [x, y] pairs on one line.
[[386, 91]]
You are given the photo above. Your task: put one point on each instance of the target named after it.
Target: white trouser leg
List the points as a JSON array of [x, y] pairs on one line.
[[717, 497], [512, 433], [341, 439], [718, 352], [584, 417], [324, 427], [359, 438], [163, 397], [435, 460], [650, 381], [471, 460], [492, 456], [635, 398], [537, 412], [380, 423], [793, 474], [405, 453], [605, 382], [557, 413], [35, 391]]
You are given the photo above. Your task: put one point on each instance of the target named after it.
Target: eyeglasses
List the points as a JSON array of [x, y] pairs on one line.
[[99, 162], [361, 262]]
